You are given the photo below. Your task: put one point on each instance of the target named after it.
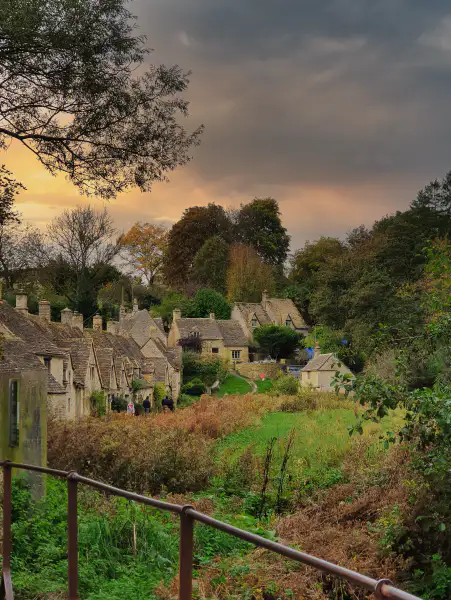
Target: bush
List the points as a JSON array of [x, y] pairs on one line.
[[206, 368], [308, 400], [195, 387], [119, 404], [286, 386], [159, 392], [98, 404]]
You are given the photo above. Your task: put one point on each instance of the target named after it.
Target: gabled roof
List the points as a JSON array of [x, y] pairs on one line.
[[232, 333], [137, 325], [323, 362], [208, 328], [53, 386], [282, 308], [23, 327], [249, 309], [17, 358]]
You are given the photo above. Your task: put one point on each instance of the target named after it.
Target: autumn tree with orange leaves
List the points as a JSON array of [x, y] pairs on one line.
[[143, 247]]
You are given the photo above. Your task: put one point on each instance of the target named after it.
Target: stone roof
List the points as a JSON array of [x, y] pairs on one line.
[[137, 325], [24, 328], [275, 310], [322, 362], [232, 333], [159, 365], [249, 309], [53, 386], [159, 323], [80, 350], [208, 328], [17, 358], [172, 355], [281, 308]]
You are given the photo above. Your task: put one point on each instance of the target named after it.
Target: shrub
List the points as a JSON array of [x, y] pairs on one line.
[[206, 368], [159, 392], [98, 404], [286, 386], [195, 387], [119, 404]]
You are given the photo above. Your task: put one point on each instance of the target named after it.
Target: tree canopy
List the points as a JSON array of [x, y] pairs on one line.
[[71, 94], [277, 340], [143, 248]]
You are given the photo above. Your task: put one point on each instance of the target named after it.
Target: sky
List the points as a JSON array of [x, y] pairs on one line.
[[339, 109]]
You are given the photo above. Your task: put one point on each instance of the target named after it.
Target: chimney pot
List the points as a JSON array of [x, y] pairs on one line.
[[317, 350], [44, 310], [152, 332], [264, 297], [177, 314], [212, 316]]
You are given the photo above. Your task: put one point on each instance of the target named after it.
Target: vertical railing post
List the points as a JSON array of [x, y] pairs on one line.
[[186, 554], [72, 535], [6, 589]]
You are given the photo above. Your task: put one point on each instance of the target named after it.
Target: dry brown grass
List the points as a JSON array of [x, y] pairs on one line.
[[333, 526], [146, 454]]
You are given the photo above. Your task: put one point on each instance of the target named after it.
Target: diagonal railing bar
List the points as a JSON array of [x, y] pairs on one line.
[[383, 589]]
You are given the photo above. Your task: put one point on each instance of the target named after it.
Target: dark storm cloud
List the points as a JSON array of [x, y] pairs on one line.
[[310, 92]]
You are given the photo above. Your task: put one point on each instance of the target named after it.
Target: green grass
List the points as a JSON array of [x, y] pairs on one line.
[[321, 440], [263, 386], [233, 385]]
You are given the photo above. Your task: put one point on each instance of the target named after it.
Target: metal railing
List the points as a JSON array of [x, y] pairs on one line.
[[382, 589]]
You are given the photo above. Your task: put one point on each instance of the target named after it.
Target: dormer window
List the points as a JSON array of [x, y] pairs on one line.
[[288, 322], [254, 322], [47, 362], [195, 334]]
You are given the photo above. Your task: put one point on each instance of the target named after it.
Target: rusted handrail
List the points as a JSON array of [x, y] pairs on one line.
[[382, 589]]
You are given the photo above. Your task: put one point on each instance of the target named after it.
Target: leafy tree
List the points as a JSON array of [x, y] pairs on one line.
[[259, 225], [143, 248], [208, 301], [70, 94], [277, 340], [207, 368], [9, 189], [191, 343], [188, 235], [169, 303], [210, 264], [247, 275]]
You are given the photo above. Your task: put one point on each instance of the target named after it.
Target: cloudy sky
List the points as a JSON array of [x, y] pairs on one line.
[[337, 108]]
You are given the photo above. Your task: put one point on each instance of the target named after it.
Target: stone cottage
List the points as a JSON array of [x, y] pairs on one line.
[[320, 371], [224, 338], [277, 311], [80, 361]]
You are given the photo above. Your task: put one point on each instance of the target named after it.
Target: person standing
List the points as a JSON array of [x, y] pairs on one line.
[[167, 403], [146, 406], [131, 408]]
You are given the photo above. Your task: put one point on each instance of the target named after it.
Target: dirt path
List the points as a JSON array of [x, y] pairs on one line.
[[254, 388]]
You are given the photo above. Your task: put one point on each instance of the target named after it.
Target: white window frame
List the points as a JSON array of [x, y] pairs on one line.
[[236, 354]]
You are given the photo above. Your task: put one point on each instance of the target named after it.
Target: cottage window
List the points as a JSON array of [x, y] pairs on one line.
[[13, 406], [92, 373], [47, 362], [236, 354], [254, 322], [215, 350], [288, 322]]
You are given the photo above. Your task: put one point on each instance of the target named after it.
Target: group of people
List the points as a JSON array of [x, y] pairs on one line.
[[166, 403]]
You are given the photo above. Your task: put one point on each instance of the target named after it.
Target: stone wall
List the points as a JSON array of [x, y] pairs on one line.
[[253, 370]]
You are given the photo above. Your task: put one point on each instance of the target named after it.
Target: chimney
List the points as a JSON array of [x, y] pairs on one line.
[[77, 321], [152, 332], [97, 323], [264, 297], [212, 316], [66, 316], [176, 314], [317, 350], [22, 302], [44, 310], [135, 305], [121, 313], [111, 327]]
